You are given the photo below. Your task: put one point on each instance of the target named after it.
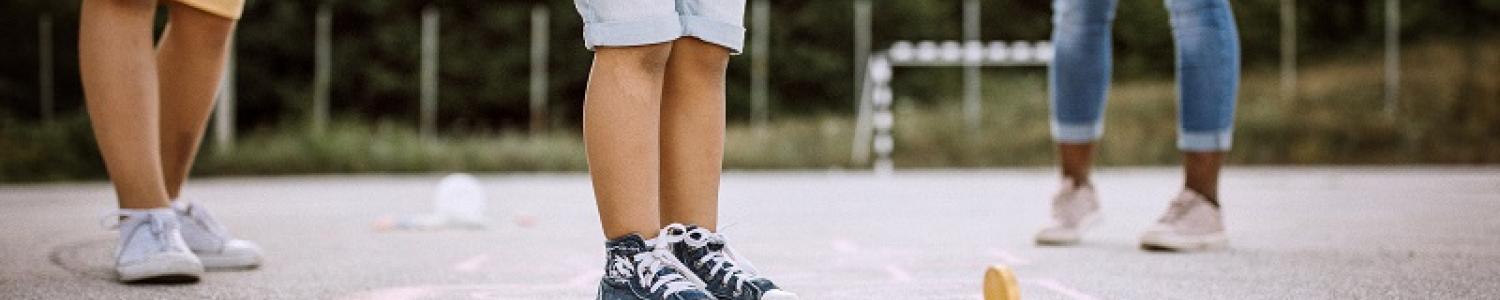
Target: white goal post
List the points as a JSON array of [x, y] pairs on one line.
[[872, 130]]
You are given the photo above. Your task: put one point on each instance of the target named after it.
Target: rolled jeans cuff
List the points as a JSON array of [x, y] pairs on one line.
[[1076, 133], [1205, 141]]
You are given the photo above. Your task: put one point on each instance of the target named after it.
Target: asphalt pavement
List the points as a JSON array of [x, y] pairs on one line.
[[1295, 233]]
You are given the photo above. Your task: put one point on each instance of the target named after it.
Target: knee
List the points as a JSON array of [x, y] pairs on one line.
[[647, 59], [210, 29], [1196, 11], [691, 56], [1082, 13]]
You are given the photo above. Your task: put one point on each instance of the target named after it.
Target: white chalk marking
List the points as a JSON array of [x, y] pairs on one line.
[[401, 293], [844, 246], [1060, 288], [1009, 259], [586, 278], [471, 264], [897, 273]]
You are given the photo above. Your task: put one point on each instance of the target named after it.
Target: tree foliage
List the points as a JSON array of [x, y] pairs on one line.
[[484, 51]]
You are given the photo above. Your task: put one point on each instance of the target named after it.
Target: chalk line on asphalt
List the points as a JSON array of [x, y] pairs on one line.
[[471, 264], [1060, 288], [1009, 259]]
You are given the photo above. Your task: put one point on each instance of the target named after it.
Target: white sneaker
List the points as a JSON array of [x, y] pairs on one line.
[[1074, 210], [1191, 223], [211, 242], [151, 248]]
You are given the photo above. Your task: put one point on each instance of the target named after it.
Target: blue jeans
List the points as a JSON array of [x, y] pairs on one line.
[[1208, 68]]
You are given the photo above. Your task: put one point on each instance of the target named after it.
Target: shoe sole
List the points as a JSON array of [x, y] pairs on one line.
[[778, 295], [1088, 222], [219, 262], [1210, 242], [162, 269], [1000, 284], [165, 279]]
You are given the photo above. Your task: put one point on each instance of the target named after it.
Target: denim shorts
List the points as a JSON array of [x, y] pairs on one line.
[[643, 22]]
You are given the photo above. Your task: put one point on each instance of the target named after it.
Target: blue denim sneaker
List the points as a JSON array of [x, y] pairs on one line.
[[637, 269], [726, 274]]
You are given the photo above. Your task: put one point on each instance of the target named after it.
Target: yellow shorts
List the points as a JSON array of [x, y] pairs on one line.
[[224, 8]]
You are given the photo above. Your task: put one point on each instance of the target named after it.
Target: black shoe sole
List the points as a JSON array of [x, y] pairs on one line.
[[166, 279]]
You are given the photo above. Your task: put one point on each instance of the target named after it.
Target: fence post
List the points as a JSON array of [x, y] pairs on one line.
[[44, 67], [760, 65], [540, 22], [1289, 50], [1392, 55], [972, 83], [322, 73], [862, 32], [224, 109], [429, 71]]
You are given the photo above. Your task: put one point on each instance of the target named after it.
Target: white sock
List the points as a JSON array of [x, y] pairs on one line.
[[180, 204]]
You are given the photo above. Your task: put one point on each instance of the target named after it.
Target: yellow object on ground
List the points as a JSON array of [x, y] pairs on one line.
[[224, 8], [1000, 284]]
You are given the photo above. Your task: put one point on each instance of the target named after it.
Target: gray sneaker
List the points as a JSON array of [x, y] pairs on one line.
[[151, 248], [211, 242], [1191, 223], [1075, 209]]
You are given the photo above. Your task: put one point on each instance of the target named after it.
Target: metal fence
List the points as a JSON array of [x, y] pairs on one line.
[[760, 21]]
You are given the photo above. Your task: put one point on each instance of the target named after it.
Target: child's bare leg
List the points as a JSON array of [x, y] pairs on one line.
[[621, 133], [1201, 173], [1076, 161], [692, 133], [119, 82], [190, 64]]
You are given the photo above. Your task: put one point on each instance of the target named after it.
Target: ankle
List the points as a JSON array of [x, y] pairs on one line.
[[1212, 195], [180, 204], [1077, 181]]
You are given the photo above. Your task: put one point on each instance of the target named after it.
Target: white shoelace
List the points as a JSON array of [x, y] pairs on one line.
[[1178, 207], [651, 264], [1062, 202], [726, 263], [648, 264]]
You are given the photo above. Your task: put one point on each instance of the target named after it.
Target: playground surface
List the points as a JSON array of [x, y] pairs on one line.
[[1295, 232]]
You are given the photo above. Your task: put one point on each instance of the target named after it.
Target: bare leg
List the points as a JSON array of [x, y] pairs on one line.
[[119, 82], [621, 133], [190, 64], [1202, 173], [1077, 160], [692, 133]]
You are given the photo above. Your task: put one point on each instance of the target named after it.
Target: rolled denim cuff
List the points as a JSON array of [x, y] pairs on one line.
[[1076, 133], [631, 33], [1205, 141], [715, 32]]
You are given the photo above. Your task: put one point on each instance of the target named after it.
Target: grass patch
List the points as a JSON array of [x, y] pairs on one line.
[[1449, 114]]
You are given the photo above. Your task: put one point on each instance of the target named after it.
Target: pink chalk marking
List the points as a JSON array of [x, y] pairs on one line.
[[1009, 259], [1060, 288], [897, 273], [471, 264]]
